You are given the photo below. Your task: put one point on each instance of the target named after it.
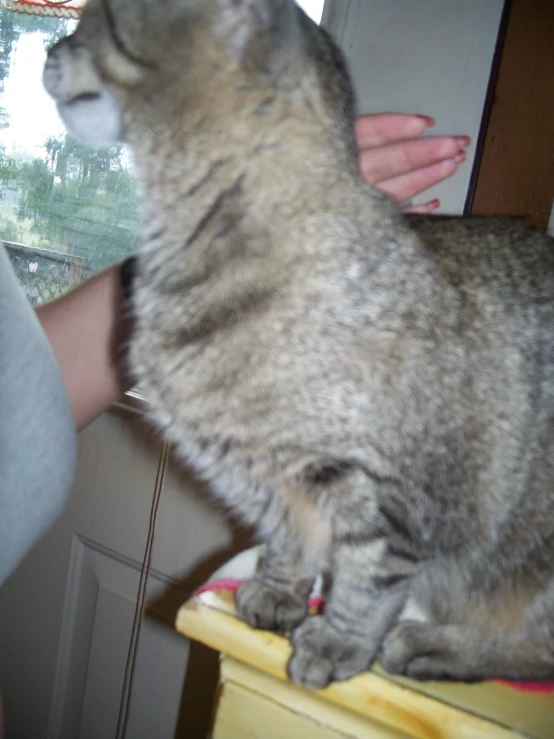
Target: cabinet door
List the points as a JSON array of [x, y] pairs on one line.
[[72, 661]]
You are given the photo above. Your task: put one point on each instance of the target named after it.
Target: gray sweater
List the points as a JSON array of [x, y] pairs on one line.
[[37, 434]]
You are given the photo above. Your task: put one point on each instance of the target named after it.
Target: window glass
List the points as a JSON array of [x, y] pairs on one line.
[[66, 210], [313, 8]]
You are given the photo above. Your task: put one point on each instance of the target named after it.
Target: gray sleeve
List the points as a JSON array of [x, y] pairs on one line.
[[37, 433]]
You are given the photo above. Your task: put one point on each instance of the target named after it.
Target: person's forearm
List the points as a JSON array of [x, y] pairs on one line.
[[87, 329]]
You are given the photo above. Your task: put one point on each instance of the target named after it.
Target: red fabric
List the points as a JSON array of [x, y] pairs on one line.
[[532, 687], [232, 584], [228, 583]]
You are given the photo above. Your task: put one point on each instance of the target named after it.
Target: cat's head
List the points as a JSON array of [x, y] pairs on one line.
[[163, 56]]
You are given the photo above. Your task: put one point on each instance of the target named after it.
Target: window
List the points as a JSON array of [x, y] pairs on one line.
[[66, 210], [313, 8]]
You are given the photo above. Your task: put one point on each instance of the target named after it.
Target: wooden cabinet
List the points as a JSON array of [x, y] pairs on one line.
[[255, 705]]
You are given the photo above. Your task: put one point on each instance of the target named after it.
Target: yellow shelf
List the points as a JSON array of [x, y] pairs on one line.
[[408, 709]]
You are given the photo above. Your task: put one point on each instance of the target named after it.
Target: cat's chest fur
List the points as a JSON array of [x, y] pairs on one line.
[[243, 472], [248, 406]]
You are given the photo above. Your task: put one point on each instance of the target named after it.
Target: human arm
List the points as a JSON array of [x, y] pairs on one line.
[[87, 329]]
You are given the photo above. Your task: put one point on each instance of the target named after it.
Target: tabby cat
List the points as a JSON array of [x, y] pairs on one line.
[[375, 393]]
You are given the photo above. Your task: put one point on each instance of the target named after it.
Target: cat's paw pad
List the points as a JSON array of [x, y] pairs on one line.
[[322, 654], [266, 607], [421, 652]]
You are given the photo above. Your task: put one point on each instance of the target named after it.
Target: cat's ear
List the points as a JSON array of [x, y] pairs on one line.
[[254, 19], [87, 106], [261, 6]]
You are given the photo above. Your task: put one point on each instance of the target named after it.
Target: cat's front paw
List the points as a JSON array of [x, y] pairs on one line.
[[267, 607], [322, 654], [425, 652]]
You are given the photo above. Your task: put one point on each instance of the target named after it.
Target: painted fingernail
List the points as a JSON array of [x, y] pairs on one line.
[[433, 204], [427, 207], [463, 141]]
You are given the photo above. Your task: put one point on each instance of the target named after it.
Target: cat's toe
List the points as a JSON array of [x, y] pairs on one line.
[[266, 607], [423, 652], [440, 667], [408, 640], [322, 654]]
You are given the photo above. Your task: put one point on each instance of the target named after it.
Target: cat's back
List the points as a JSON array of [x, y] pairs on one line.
[[499, 258], [503, 273]]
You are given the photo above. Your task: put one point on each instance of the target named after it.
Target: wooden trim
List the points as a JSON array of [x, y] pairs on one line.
[[488, 106], [516, 174]]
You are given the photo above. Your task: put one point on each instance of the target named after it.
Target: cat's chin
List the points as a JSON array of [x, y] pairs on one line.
[[95, 119]]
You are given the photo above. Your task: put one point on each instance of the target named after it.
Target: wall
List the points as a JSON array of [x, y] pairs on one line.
[[430, 57]]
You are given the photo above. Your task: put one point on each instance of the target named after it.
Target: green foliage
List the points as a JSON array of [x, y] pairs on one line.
[[81, 200], [11, 230], [9, 170], [8, 35], [12, 25], [9, 173]]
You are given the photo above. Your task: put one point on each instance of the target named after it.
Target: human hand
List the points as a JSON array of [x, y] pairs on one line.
[[395, 158]]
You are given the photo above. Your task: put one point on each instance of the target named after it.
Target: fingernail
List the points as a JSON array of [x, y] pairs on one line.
[[430, 206], [463, 141], [428, 120], [460, 158]]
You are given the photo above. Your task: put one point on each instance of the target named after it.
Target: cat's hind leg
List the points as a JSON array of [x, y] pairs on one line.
[[426, 652], [504, 634]]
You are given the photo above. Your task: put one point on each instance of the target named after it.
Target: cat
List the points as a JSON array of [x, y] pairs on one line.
[[373, 392]]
